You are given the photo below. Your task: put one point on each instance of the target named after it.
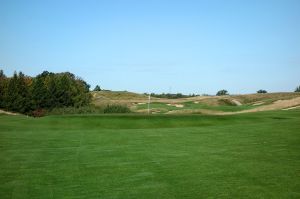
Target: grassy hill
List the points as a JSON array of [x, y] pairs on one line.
[[229, 104], [116, 97]]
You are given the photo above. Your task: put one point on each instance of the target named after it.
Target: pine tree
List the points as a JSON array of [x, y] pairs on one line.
[[39, 93], [52, 92], [64, 91], [97, 88], [23, 102], [3, 88]]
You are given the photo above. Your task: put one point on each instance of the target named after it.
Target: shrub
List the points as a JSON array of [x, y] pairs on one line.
[[38, 113], [76, 110], [115, 108]]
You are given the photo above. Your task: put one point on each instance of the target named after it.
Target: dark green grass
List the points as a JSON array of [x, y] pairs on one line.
[[136, 156]]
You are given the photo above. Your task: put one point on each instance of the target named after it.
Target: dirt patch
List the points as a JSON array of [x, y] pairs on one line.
[[179, 105]]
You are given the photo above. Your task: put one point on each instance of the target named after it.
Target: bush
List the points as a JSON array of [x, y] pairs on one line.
[[38, 113], [92, 109], [116, 109], [76, 110]]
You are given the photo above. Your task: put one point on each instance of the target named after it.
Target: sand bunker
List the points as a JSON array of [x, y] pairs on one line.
[[290, 108], [8, 113], [238, 103], [176, 105]]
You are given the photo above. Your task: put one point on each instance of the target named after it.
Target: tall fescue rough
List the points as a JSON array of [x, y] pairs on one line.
[[116, 108]]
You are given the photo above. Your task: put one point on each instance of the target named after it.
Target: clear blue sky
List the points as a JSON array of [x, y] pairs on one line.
[[157, 45]]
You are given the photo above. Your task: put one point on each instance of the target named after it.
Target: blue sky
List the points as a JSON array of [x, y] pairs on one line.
[[157, 45]]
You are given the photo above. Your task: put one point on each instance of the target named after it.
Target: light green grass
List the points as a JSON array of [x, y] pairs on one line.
[[137, 156], [163, 107], [229, 108]]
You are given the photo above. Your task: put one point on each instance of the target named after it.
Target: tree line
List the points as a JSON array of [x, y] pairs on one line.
[[27, 95]]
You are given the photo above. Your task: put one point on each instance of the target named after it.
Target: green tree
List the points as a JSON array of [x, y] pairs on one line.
[[83, 96], [222, 92], [3, 88], [23, 102], [52, 92], [39, 93], [297, 89], [64, 91], [12, 95], [47, 90], [261, 91], [97, 88]]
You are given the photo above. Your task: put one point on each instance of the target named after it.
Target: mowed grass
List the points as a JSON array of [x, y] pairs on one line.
[[229, 108], [253, 155], [164, 107]]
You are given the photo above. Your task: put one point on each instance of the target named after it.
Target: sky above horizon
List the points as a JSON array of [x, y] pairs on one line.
[[185, 46]]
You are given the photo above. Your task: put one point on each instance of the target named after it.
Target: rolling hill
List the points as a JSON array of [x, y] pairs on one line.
[[217, 105]]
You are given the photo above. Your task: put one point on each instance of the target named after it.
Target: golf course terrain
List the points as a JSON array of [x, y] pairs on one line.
[[129, 99], [211, 105], [248, 155]]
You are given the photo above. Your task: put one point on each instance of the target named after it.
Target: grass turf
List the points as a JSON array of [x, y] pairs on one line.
[[163, 107], [253, 155]]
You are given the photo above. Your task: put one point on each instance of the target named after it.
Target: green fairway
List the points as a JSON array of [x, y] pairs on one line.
[[163, 107], [253, 155]]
